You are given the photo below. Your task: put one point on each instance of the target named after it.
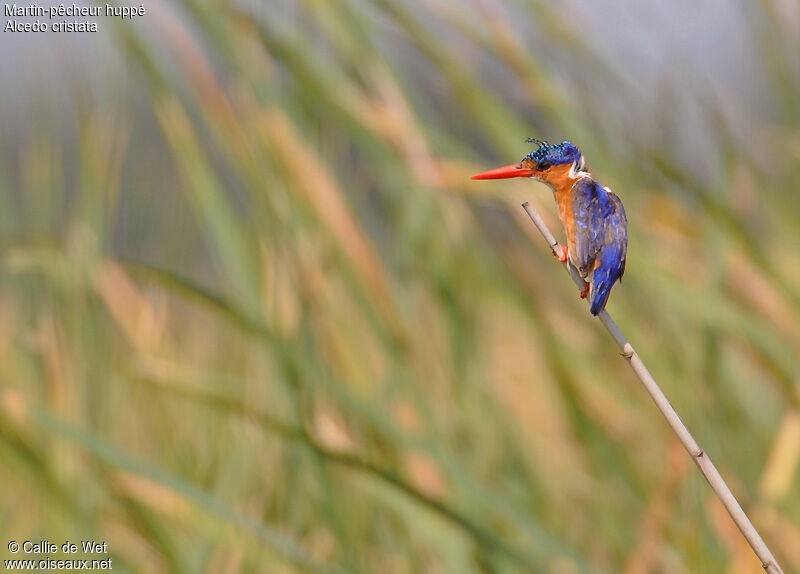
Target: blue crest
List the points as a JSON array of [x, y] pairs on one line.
[[554, 154]]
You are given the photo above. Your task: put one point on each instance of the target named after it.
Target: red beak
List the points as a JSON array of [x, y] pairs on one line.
[[505, 172]]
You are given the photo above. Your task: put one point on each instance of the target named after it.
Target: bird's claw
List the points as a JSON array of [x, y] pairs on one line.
[[564, 252], [585, 291]]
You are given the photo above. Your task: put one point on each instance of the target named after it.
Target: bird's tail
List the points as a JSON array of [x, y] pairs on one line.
[[600, 294], [603, 280]]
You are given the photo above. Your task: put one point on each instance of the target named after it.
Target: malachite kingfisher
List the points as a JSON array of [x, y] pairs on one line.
[[593, 217]]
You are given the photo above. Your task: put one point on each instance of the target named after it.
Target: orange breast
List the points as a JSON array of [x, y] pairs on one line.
[[558, 177], [566, 215]]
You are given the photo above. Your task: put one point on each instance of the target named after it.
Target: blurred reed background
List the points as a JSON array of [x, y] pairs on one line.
[[254, 316]]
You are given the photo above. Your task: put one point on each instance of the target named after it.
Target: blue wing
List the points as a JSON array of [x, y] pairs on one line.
[[600, 238], [591, 206], [610, 264]]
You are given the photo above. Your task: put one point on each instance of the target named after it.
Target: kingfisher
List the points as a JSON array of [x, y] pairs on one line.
[[592, 216]]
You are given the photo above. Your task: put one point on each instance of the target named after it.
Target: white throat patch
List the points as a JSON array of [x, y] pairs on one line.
[[576, 170]]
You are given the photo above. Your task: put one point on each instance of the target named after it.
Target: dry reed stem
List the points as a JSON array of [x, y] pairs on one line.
[[699, 456]]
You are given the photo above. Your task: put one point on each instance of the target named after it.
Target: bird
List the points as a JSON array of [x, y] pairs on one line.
[[593, 217]]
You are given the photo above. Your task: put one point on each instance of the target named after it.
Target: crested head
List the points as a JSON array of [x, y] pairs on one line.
[[557, 165], [548, 154]]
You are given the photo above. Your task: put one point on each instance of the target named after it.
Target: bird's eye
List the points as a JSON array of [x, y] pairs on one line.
[[543, 165]]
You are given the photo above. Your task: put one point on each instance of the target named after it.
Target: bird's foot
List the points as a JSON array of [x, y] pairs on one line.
[[564, 253], [585, 291]]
